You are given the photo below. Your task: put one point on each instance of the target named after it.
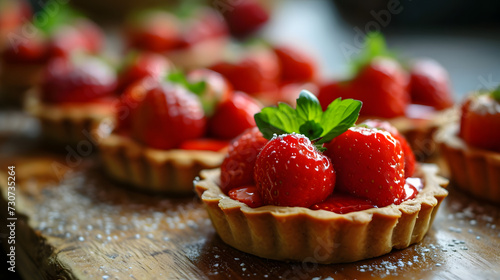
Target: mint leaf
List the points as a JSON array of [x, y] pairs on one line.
[[277, 120], [309, 119], [311, 129], [177, 77], [308, 107], [496, 94], [374, 46], [339, 117], [64, 15]]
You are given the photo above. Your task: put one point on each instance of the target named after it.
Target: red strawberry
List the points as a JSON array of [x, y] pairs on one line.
[[248, 195], [407, 151], [83, 35], [217, 88], [369, 164], [245, 17], [233, 116], [204, 145], [430, 85], [156, 31], [85, 80], [295, 65], [289, 171], [255, 73], [480, 125], [238, 166], [167, 116], [341, 203], [130, 99], [382, 86], [32, 50], [143, 65]]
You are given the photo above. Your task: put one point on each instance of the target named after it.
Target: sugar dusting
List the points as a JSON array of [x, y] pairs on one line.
[[82, 211]]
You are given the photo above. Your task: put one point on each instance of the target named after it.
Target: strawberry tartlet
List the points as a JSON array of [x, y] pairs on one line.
[[308, 186], [471, 147]]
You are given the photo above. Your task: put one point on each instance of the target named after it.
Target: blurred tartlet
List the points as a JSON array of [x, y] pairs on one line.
[[471, 147]]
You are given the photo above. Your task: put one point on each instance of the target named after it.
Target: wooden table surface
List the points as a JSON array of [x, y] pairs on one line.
[[74, 223]]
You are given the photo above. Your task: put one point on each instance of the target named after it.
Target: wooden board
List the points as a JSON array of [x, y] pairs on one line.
[[77, 224]]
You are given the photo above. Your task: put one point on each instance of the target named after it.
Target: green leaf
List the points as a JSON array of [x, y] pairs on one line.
[[496, 94], [308, 119], [308, 107], [339, 117], [374, 46], [277, 120], [64, 15], [177, 77], [311, 129]]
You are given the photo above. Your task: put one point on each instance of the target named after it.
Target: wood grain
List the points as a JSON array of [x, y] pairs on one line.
[[74, 223]]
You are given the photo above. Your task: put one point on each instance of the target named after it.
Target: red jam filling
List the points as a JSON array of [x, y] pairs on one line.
[[339, 203]]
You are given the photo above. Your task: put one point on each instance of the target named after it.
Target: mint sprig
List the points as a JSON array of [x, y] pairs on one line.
[[374, 46], [496, 94], [308, 118], [64, 15], [178, 77]]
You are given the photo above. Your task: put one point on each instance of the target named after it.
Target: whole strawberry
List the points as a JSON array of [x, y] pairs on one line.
[[379, 81], [166, 116], [238, 166], [369, 164], [233, 115], [407, 151], [430, 84], [289, 171]]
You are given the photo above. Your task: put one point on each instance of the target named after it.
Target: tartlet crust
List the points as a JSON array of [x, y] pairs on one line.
[[474, 170], [302, 234], [62, 124], [147, 169]]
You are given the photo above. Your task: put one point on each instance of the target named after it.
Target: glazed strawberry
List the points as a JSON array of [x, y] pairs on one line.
[[85, 79], [32, 50], [257, 72], [142, 65], [369, 164], [160, 31], [80, 35], [237, 168], [233, 116], [295, 65], [342, 203], [216, 88], [480, 125], [130, 99], [167, 116], [407, 151], [248, 195], [204, 144], [154, 31], [245, 17], [289, 171], [430, 85], [382, 86]]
